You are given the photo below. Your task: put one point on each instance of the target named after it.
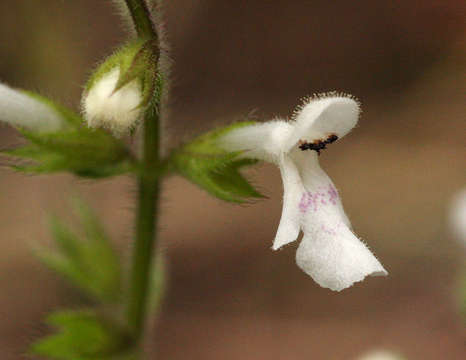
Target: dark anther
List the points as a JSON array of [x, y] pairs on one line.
[[318, 144], [332, 138]]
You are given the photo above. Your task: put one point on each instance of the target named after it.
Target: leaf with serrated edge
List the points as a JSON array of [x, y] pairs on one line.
[[84, 152], [88, 262], [82, 335]]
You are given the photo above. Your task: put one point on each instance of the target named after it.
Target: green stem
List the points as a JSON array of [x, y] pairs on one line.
[[146, 222], [141, 18], [148, 194]]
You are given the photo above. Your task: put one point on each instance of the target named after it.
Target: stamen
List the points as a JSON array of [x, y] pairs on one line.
[[317, 145]]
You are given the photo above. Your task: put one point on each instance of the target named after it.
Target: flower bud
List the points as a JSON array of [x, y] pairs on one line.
[[29, 111], [117, 110], [119, 89]]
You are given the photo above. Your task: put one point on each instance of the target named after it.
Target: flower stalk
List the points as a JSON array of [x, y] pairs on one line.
[[148, 193]]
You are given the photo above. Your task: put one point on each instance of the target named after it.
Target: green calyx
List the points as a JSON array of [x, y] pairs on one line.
[[214, 169], [82, 151], [136, 61]]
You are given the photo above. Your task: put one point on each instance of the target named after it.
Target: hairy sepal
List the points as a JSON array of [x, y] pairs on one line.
[[215, 170], [136, 60], [82, 151]]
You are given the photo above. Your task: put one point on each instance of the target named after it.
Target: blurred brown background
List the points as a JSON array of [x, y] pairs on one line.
[[230, 296]]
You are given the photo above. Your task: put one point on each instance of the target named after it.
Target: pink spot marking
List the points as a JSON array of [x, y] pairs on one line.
[[312, 200], [328, 230], [307, 199], [333, 194]]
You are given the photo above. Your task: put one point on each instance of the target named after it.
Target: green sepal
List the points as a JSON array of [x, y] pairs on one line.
[[121, 58], [88, 260], [83, 151], [136, 60], [143, 67], [212, 168], [84, 335]]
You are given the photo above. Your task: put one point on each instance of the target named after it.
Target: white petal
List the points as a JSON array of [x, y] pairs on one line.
[[315, 179], [118, 111], [259, 141], [20, 109], [334, 257], [329, 252], [289, 227], [324, 116]]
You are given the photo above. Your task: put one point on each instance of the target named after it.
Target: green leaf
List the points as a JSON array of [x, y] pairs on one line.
[[89, 261], [85, 152], [215, 170], [84, 335]]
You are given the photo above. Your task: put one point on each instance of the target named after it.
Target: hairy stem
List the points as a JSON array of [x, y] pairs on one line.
[[141, 18], [148, 194], [146, 222]]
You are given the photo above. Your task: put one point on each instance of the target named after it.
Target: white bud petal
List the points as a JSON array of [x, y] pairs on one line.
[[20, 109], [119, 110], [457, 217], [380, 355]]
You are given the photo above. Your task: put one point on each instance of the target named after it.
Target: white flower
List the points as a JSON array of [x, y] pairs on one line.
[[329, 251], [380, 355], [18, 108], [457, 216], [118, 110]]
